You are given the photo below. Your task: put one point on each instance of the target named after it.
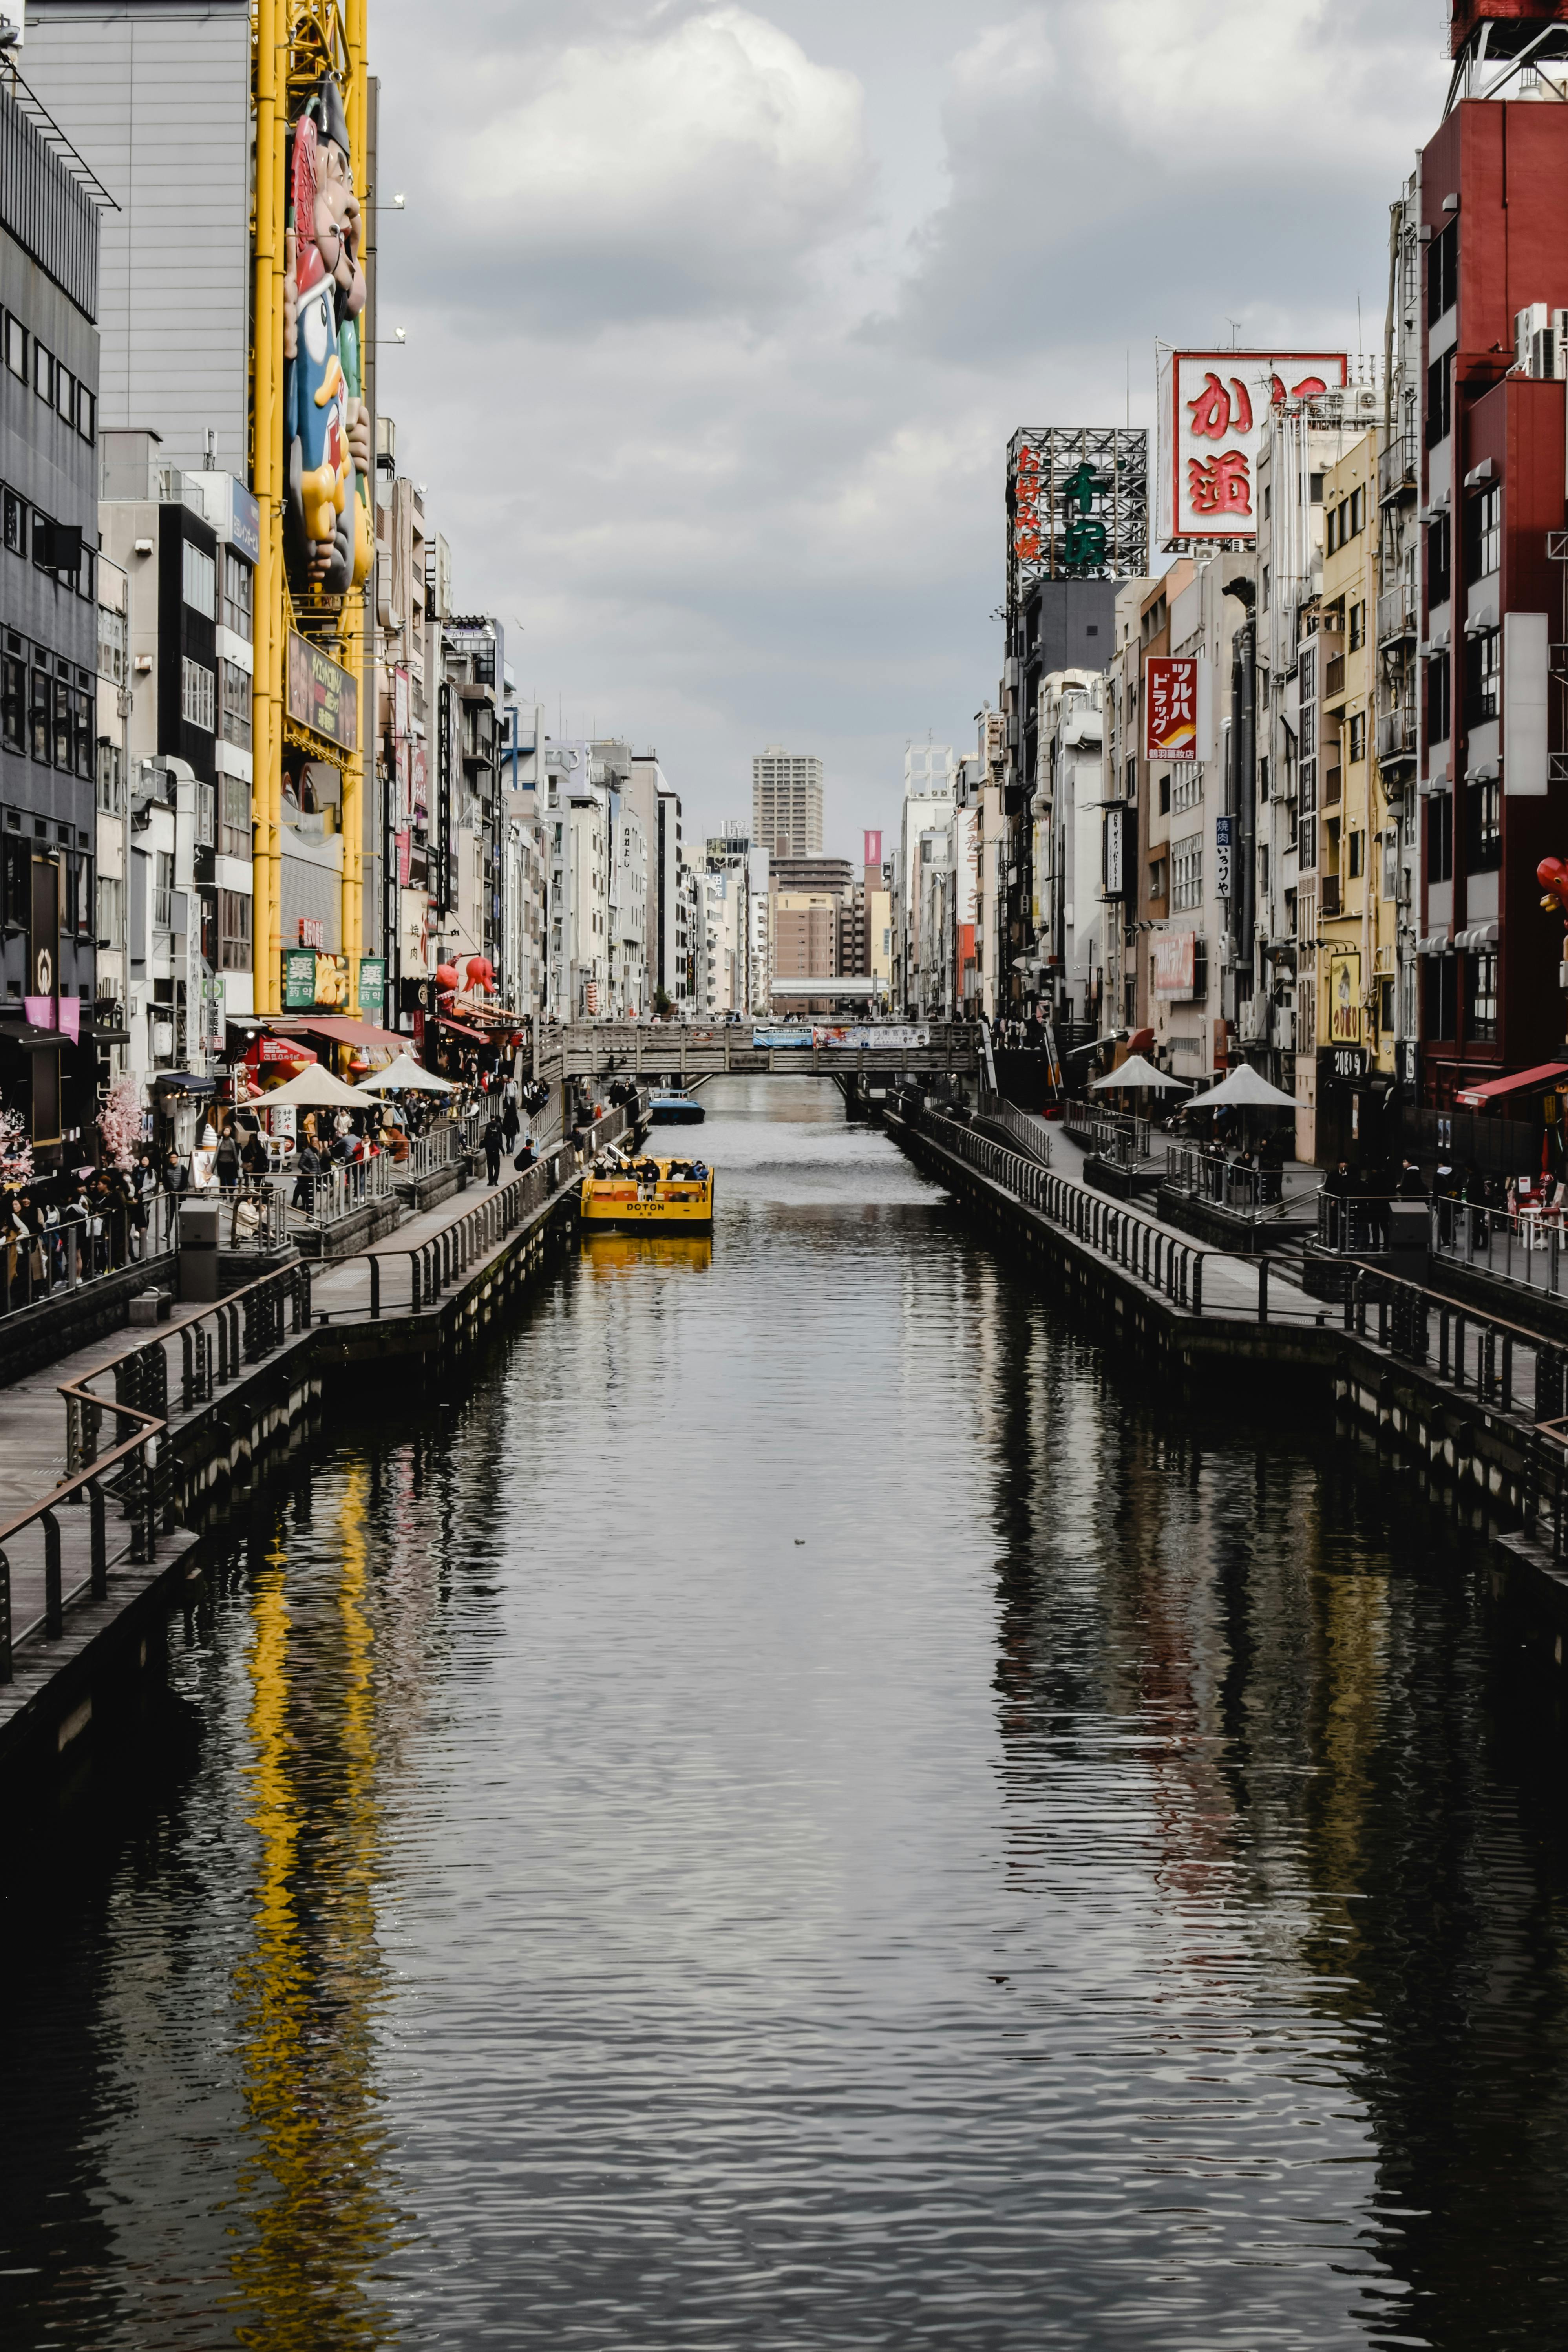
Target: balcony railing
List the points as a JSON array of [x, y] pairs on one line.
[[1398, 474], [1398, 612], [1397, 733]]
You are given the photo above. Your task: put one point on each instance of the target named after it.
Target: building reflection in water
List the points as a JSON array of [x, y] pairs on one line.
[[1349, 1804], [319, 2216]]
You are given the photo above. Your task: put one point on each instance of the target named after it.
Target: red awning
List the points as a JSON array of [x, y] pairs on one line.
[[342, 1030], [1543, 1079], [477, 1035]]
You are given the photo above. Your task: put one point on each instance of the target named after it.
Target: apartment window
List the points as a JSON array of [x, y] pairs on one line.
[[111, 912], [1440, 837], [206, 817], [40, 702], [1391, 864], [234, 816], [163, 890], [1483, 667], [1165, 793], [199, 580], [13, 702], [43, 373], [1483, 826], [15, 524], [1357, 736], [1331, 530], [1486, 531], [1439, 718], [1358, 511], [236, 705], [239, 589], [1439, 1013], [1442, 273], [110, 780], [111, 646], [1265, 569], [196, 694], [1315, 489], [1355, 844], [1358, 626], [62, 727], [1263, 777], [65, 393], [1187, 872], [1385, 1006], [1439, 401], [1187, 784], [1130, 783], [86, 414], [234, 930], [17, 348], [1439, 562], [1480, 996], [76, 874]]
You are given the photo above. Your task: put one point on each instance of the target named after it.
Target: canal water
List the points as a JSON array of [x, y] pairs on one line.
[[806, 1808]]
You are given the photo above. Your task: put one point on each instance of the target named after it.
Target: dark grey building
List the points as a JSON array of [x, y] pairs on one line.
[[49, 623]]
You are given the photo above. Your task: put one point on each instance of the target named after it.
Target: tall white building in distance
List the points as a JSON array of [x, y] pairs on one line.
[[786, 802]]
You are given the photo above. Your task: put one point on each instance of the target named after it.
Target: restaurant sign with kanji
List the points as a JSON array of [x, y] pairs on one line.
[[1216, 415]]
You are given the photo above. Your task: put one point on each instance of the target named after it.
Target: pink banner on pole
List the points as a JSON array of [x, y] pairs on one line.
[[71, 1016], [39, 1011]]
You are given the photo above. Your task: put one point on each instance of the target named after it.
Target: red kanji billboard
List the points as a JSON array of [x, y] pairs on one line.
[[1212, 419]]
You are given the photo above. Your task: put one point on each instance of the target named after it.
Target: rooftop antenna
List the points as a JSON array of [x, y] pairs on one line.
[[1235, 326]]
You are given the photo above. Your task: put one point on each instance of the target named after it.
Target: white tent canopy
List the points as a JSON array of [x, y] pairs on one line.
[[1242, 1090], [313, 1090], [1136, 1072], [404, 1071]]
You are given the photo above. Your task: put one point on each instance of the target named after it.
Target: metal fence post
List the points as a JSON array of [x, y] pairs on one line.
[[1263, 1289], [99, 1541], [1197, 1281], [54, 1600]]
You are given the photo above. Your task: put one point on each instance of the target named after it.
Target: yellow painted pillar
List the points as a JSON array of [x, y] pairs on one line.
[[357, 635], [266, 366]]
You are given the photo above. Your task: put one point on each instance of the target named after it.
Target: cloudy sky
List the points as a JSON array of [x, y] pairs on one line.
[[719, 319]]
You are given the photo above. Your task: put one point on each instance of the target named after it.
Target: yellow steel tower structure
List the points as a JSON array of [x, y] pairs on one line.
[[294, 43]]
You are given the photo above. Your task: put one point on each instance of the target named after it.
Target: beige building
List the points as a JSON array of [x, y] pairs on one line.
[[786, 802], [1356, 932]]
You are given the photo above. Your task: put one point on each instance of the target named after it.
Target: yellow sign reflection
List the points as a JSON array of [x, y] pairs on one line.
[[318, 2222]]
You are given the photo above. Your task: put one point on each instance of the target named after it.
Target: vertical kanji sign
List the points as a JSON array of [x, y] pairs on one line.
[[1171, 707], [1213, 419]]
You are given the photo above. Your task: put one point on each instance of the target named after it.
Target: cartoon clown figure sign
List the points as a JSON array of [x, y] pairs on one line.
[[325, 424]]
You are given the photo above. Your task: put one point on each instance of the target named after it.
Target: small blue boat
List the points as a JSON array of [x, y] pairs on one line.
[[674, 1108]]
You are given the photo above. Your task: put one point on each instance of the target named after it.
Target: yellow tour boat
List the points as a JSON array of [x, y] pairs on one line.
[[677, 1194]]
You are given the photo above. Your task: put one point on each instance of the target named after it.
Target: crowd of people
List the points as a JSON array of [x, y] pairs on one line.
[[70, 1225]]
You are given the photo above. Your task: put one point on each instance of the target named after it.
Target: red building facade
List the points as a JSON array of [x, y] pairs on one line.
[[1494, 781]]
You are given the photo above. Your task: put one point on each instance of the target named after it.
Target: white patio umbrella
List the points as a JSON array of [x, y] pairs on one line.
[[312, 1089], [1137, 1072], [404, 1071], [1242, 1090]]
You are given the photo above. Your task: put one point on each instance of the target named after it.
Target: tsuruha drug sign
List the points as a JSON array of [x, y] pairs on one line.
[[1212, 419]]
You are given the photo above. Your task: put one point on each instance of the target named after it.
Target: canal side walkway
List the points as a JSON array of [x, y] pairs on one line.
[[111, 1460], [1476, 1402]]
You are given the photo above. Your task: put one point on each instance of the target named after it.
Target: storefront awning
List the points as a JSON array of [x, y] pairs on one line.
[[30, 1037], [1434, 943], [1481, 935], [1546, 1077], [342, 1029], [462, 1029], [184, 1082]]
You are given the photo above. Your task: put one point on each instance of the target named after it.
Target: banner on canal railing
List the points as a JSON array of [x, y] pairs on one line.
[[779, 1040], [863, 1040]]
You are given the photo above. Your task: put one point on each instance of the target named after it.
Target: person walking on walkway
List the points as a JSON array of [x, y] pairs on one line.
[[510, 1123], [307, 1167], [225, 1160], [491, 1140]]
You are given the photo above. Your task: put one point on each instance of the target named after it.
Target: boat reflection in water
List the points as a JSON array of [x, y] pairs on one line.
[[615, 1250]]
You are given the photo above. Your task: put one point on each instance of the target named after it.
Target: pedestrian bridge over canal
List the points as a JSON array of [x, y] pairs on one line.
[[883, 1052]]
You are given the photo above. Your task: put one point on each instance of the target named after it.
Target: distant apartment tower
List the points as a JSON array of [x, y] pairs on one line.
[[786, 802]]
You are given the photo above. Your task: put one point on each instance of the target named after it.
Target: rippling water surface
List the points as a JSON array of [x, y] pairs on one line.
[[806, 1808]]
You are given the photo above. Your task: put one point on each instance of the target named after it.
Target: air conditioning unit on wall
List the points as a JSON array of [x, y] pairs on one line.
[[1541, 341]]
